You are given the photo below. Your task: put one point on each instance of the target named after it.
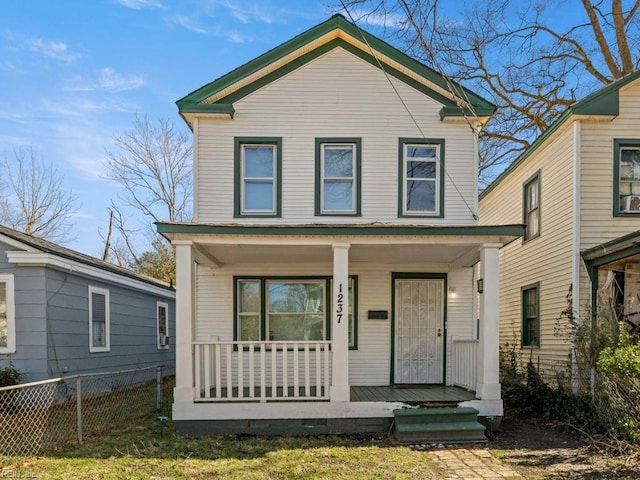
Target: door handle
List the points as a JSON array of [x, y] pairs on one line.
[[439, 332]]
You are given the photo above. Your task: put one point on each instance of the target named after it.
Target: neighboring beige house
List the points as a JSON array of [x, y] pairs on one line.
[[332, 252], [577, 191]]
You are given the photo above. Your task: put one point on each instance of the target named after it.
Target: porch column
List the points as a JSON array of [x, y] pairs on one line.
[[488, 387], [184, 390], [340, 391]]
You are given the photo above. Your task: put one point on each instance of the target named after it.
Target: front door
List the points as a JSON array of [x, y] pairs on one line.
[[419, 331]]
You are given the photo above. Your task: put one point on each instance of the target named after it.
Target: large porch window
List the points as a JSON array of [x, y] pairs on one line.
[[288, 309]]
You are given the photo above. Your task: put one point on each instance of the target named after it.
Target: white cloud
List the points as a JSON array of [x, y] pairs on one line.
[[375, 19], [235, 37], [248, 13], [189, 24], [10, 67], [52, 49], [109, 79], [140, 4]]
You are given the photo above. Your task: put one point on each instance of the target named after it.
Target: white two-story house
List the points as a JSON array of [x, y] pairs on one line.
[[331, 259]]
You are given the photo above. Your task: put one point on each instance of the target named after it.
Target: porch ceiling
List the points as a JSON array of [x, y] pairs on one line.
[[390, 253]]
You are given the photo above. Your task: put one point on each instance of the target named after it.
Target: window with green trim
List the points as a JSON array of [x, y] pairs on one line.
[[338, 176], [421, 180], [296, 309], [531, 207], [531, 316], [626, 177], [258, 169]]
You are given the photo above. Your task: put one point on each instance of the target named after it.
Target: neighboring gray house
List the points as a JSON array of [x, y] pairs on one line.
[[64, 313]]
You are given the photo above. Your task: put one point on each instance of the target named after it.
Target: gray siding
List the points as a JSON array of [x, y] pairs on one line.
[[52, 324], [31, 334], [133, 327]]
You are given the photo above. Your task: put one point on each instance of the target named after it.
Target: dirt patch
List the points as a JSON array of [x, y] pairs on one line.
[[540, 450]]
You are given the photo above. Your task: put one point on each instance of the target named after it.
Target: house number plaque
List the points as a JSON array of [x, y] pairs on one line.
[[340, 304]]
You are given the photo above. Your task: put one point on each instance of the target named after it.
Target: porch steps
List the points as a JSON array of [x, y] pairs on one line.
[[438, 425]]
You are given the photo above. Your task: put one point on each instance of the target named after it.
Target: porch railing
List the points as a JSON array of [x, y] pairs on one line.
[[262, 371], [465, 354]]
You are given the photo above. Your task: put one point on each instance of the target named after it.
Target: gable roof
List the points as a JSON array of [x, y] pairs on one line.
[[218, 96], [56, 250], [604, 102]]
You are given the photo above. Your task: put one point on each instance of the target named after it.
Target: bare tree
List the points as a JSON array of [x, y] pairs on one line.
[[153, 165], [514, 53], [36, 200]]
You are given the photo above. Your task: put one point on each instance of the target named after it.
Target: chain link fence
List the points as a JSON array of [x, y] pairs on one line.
[[40, 416]]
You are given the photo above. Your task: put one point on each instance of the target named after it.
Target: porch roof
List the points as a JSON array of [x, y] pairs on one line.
[[226, 244], [502, 233], [613, 250]]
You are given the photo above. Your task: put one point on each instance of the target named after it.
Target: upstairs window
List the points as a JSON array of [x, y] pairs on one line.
[[99, 321], [626, 177], [531, 210], [531, 315], [7, 314], [421, 181], [258, 171], [338, 176]]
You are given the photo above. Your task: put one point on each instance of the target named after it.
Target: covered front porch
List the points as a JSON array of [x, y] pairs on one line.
[[372, 318]]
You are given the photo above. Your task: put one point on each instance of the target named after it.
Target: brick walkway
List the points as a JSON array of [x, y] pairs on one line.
[[471, 464]]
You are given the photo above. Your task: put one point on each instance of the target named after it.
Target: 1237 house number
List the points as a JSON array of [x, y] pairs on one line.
[[340, 304]]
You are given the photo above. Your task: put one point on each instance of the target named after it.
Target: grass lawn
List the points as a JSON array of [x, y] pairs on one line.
[[134, 449]]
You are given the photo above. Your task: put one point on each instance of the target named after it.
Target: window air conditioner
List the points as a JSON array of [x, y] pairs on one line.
[[164, 340], [631, 204]]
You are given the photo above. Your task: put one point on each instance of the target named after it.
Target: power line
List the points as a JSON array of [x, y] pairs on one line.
[[456, 99]]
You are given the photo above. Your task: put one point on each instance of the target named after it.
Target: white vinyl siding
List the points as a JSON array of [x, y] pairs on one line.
[[548, 259], [597, 153], [358, 102], [7, 314], [99, 320], [370, 364]]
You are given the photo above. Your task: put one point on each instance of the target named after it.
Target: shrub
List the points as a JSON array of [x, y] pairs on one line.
[[9, 375]]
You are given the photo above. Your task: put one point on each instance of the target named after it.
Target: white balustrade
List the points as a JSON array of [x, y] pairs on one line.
[[465, 355], [262, 371]]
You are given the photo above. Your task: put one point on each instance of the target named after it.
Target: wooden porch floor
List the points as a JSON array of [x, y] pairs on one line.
[[422, 394], [409, 394]]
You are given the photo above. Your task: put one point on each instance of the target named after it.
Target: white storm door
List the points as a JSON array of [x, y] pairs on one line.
[[419, 331]]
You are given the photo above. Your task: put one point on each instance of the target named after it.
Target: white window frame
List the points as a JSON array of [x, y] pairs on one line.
[[405, 179], [107, 314], [244, 179], [352, 179], [7, 279], [165, 305]]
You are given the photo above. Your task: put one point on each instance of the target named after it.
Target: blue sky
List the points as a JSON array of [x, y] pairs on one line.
[[73, 73]]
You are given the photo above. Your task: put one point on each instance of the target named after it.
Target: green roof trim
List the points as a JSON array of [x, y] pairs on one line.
[[457, 111], [219, 108], [605, 101], [335, 22], [340, 230], [619, 244]]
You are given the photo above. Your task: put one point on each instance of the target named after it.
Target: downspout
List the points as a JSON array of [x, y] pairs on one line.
[[575, 254]]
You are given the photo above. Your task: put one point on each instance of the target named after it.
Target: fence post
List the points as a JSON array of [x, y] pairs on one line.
[[79, 406], [159, 387]]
